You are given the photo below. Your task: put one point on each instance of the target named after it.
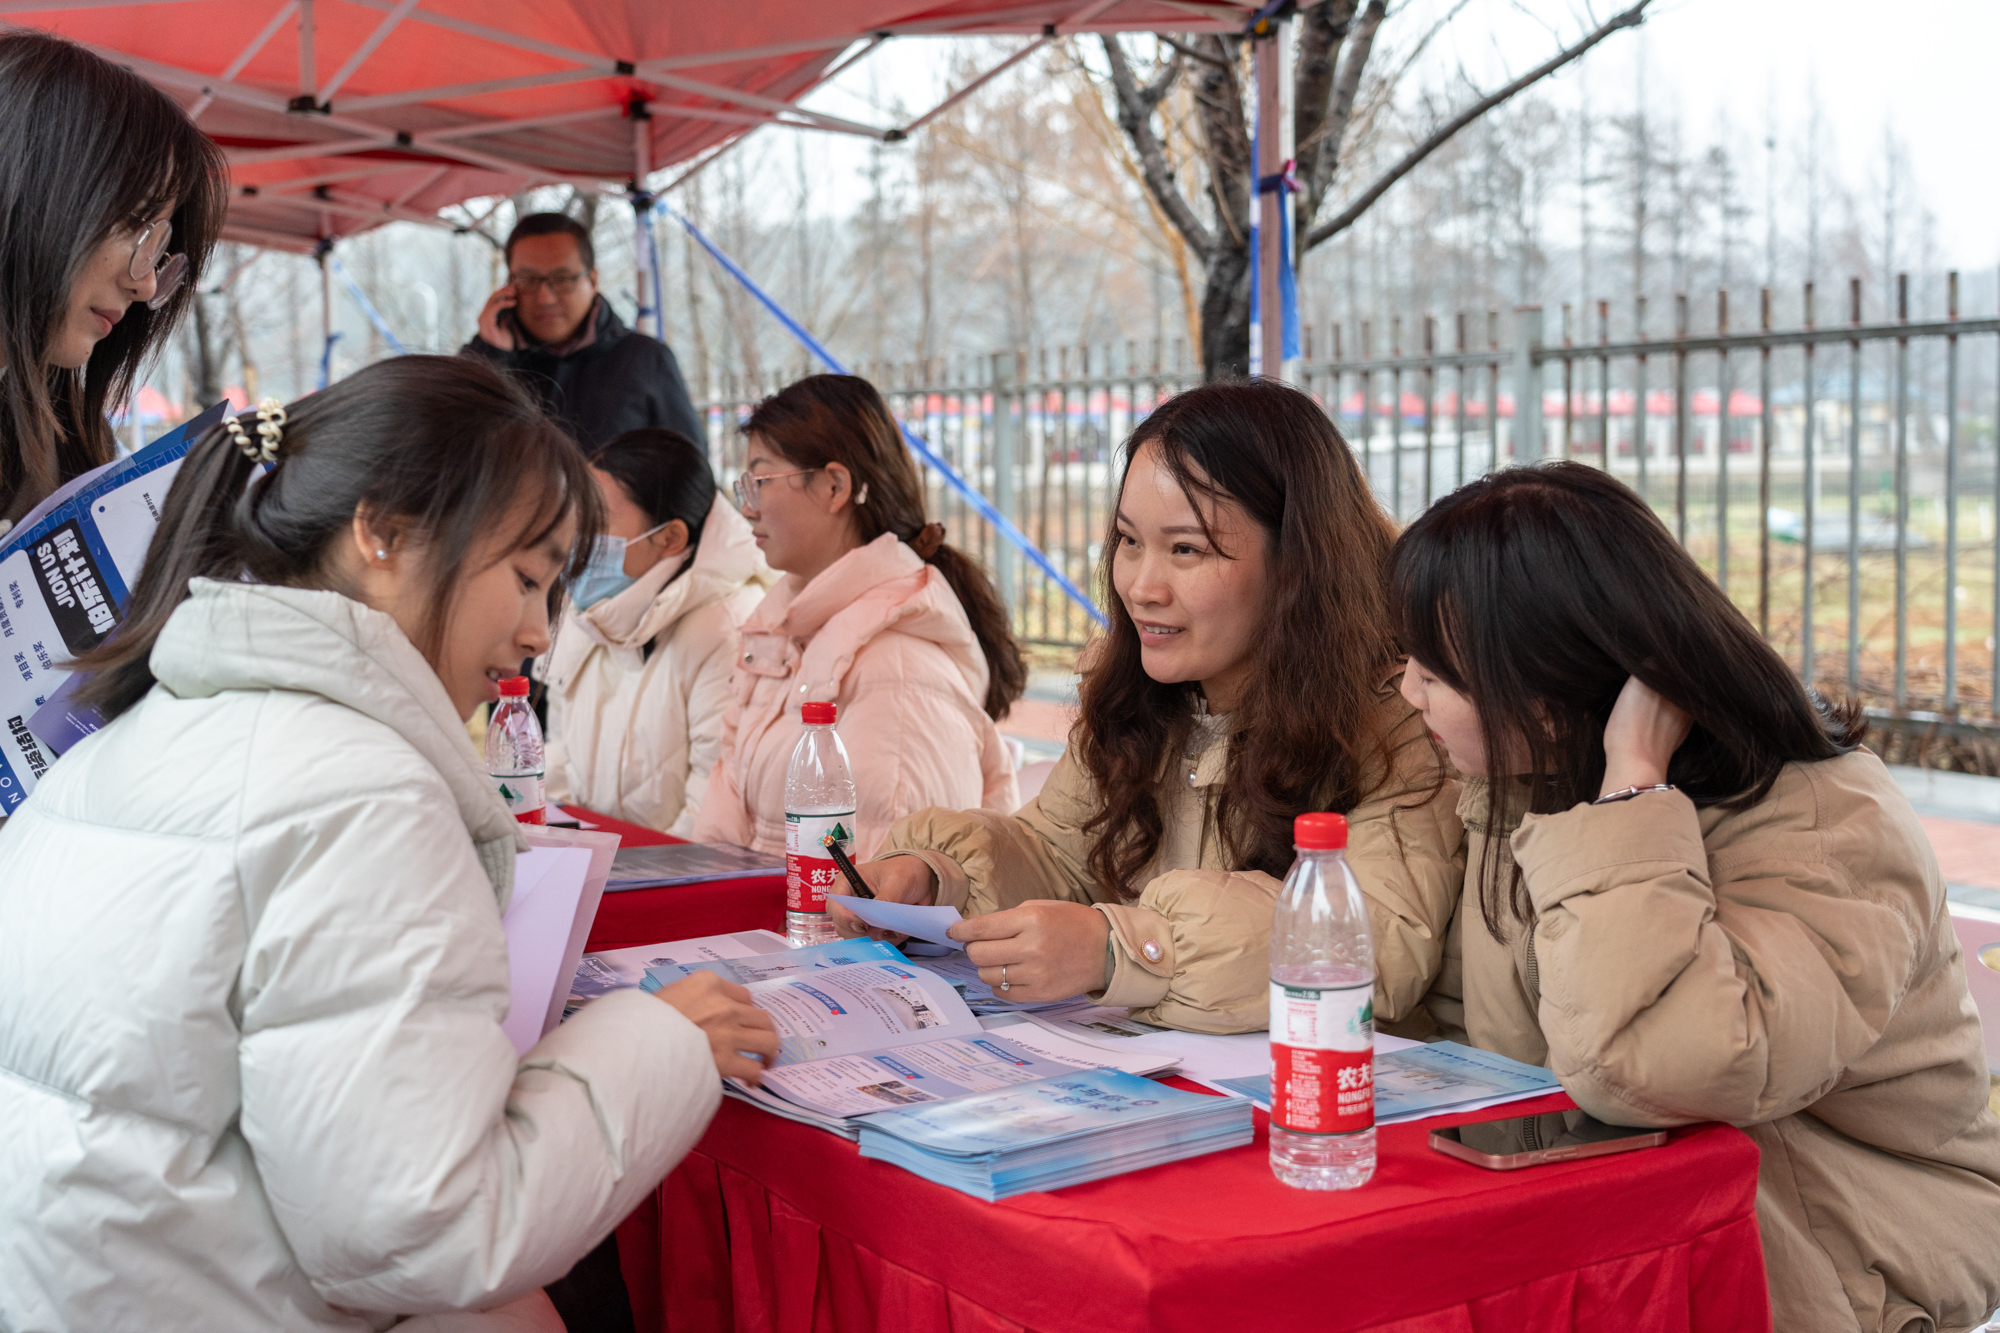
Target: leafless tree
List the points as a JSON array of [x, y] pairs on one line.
[[1337, 41]]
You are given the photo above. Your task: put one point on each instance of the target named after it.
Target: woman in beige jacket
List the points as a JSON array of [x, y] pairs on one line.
[[639, 672], [1247, 676], [1710, 903]]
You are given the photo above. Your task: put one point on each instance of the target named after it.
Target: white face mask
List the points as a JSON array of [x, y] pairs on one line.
[[604, 576]]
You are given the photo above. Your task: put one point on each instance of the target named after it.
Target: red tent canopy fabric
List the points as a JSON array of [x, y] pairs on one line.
[[341, 115]]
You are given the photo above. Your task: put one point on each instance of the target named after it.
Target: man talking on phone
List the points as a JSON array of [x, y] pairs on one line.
[[552, 327]]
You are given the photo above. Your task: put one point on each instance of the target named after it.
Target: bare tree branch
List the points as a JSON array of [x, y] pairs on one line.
[[1184, 48], [1218, 98], [1322, 28], [1135, 117], [1442, 135], [1327, 138]]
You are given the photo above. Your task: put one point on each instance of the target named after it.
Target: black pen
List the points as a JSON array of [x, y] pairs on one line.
[[854, 880]]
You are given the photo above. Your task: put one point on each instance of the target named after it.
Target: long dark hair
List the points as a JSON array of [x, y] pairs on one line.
[[664, 473], [1309, 726], [841, 419], [1536, 592], [447, 444], [89, 147]]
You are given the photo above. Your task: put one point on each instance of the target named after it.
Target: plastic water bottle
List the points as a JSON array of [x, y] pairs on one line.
[[819, 803], [514, 753], [1322, 1017]]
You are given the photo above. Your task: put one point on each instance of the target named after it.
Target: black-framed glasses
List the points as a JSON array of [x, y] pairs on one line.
[[149, 256], [562, 282]]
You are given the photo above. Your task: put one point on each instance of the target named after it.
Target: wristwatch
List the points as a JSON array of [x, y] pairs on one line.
[[1627, 793]]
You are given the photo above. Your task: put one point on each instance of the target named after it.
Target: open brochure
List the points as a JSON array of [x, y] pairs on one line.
[[862, 1028], [621, 969], [66, 574]]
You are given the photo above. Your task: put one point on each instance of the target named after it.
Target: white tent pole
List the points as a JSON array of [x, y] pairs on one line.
[[1274, 148], [366, 49], [246, 55], [308, 64], [517, 83], [648, 319]]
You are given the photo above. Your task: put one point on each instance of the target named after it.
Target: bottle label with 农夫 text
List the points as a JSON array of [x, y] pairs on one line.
[[809, 867], [1323, 1058]]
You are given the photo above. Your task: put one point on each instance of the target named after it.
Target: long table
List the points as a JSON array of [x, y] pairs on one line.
[[775, 1226], [648, 916]]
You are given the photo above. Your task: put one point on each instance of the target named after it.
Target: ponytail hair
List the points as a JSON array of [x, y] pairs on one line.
[[842, 419], [447, 445]]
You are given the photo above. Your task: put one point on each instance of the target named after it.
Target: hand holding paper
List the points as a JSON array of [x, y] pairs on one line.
[[1041, 950], [922, 923]]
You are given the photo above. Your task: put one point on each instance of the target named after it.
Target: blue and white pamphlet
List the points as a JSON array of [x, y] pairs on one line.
[[1443, 1078], [66, 574], [687, 863], [748, 969], [599, 974], [862, 1028], [1054, 1132]]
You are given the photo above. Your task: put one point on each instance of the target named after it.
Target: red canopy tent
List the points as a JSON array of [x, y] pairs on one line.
[[340, 115]]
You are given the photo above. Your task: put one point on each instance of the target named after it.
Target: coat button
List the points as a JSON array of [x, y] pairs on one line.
[[749, 657], [1152, 950]]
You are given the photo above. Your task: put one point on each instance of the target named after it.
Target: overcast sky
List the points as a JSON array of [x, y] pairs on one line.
[[1923, 68]]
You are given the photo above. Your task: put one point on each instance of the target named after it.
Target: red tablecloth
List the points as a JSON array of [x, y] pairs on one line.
[[777, 1227], [648, 916]]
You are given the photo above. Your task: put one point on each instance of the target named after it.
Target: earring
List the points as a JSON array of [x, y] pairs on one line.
[[381, 554]]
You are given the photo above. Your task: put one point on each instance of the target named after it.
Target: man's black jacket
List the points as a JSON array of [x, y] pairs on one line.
[[618, 381]]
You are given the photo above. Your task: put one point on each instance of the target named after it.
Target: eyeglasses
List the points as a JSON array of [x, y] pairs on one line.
[[150, 258], [746, 485], [562, 283]]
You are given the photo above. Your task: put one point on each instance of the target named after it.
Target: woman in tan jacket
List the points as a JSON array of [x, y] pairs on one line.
[[1695, 897], [1247, 676]]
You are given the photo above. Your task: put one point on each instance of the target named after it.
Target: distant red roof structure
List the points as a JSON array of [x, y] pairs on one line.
[[341, 115]]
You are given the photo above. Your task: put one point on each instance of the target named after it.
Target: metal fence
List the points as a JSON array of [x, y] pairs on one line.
[[1837, 480]]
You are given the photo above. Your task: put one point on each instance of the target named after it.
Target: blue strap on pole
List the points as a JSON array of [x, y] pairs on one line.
[[367, 306], [326, 359], [984, 507]]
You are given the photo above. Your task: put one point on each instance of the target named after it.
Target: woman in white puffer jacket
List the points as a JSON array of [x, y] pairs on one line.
[[639, 674], [252, 974]]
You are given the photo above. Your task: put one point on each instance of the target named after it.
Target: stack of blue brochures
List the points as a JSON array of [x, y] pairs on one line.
[[1054, 1132]]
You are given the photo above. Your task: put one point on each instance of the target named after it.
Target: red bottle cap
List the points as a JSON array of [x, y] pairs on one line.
[[817, 714], [1320, 833], [514, 687]]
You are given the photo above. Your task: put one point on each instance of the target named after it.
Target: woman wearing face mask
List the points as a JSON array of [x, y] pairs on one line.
[[252, 972], [1248, 676], [874, 613], [110, 199], [1694, 896], [639, 674]]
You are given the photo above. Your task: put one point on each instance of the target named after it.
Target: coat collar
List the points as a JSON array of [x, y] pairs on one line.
[[600, 327], [248, 636], [797, 608], [725, 560]]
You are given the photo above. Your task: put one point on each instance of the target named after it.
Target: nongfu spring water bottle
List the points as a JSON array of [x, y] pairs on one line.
[[819, 804], [1322, 1017]]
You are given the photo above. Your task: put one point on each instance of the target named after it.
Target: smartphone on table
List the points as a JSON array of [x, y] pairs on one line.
[[1531, 1140]]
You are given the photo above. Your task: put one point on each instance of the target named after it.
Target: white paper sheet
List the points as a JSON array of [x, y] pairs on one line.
[[548, 883]]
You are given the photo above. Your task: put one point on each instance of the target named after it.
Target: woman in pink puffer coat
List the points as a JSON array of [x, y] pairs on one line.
[[874, 612]]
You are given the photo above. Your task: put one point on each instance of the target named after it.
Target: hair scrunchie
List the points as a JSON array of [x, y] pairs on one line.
[[929, 537], [270, 432]]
